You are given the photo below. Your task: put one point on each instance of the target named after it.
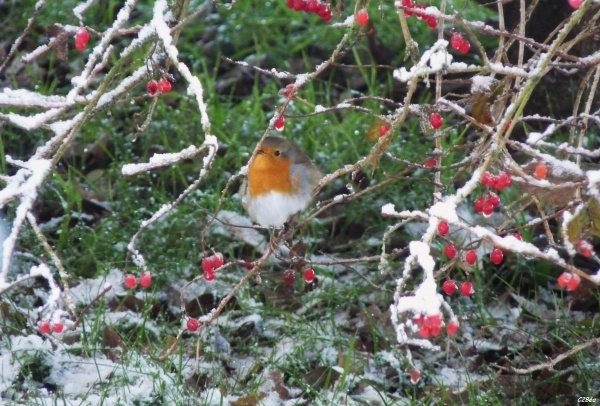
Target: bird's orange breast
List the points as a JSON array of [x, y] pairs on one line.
[[268, 173]]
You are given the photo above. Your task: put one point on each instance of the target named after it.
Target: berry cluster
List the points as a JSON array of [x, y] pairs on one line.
[[466, 288], [498, 182], [432, 325], [162, 86], [45, 327], [323, 10], [210, 264], [288, 276], [458, 43], [145, 280], [82, 37], [569, 280], [487, 204], [430, 20]]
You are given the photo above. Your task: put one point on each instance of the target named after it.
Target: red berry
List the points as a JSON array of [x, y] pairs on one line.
[[518, 236], [57, 327], [493, 181], [420, 16], [574, 282], [192, 324], [312, 6], [434, 320], [299, 5], [496, 256], [541, 170], [130, 281], [430, 163], [415, 376], [456, 40], [288, 277], [213, 262], [436, 331], [152, 87], [82, 37], [146, 279], [449, 287], [452, 327], [432, 325], [450, 251], [471, 257], [575, 3], [362, 17], [466, 289], [443, 228], [432, 22], [569, 280], [563, 279], [436, 121], [504, 181], [288, 91], [425, 331], [164, 86], [324, 11], [309, 275], [383, 130], [493, 199], [280, 123], [80, 45], [408, 3], [290, 4], [209, 275], [584, 248], [327, 17], [488, 207], [44, 327], [479, 203], [464, 47], [486, 178], [419, 319]]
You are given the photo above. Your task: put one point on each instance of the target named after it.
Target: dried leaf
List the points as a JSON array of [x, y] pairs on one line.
[[111, 338], [249, 400], [321, 376], [586, 222], [373, 133]]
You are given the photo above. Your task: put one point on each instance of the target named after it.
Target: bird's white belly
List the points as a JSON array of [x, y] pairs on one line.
[[274, 208]]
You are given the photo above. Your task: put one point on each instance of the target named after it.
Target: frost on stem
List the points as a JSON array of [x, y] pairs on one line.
[[425, 300]]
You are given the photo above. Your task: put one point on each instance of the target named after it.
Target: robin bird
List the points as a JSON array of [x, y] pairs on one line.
[[281, 182]]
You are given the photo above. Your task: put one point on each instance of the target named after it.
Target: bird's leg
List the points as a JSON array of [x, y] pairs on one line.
[[288, 228], [272, 239]]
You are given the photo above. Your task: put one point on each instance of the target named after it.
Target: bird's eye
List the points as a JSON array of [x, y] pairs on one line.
[[277, 152]]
